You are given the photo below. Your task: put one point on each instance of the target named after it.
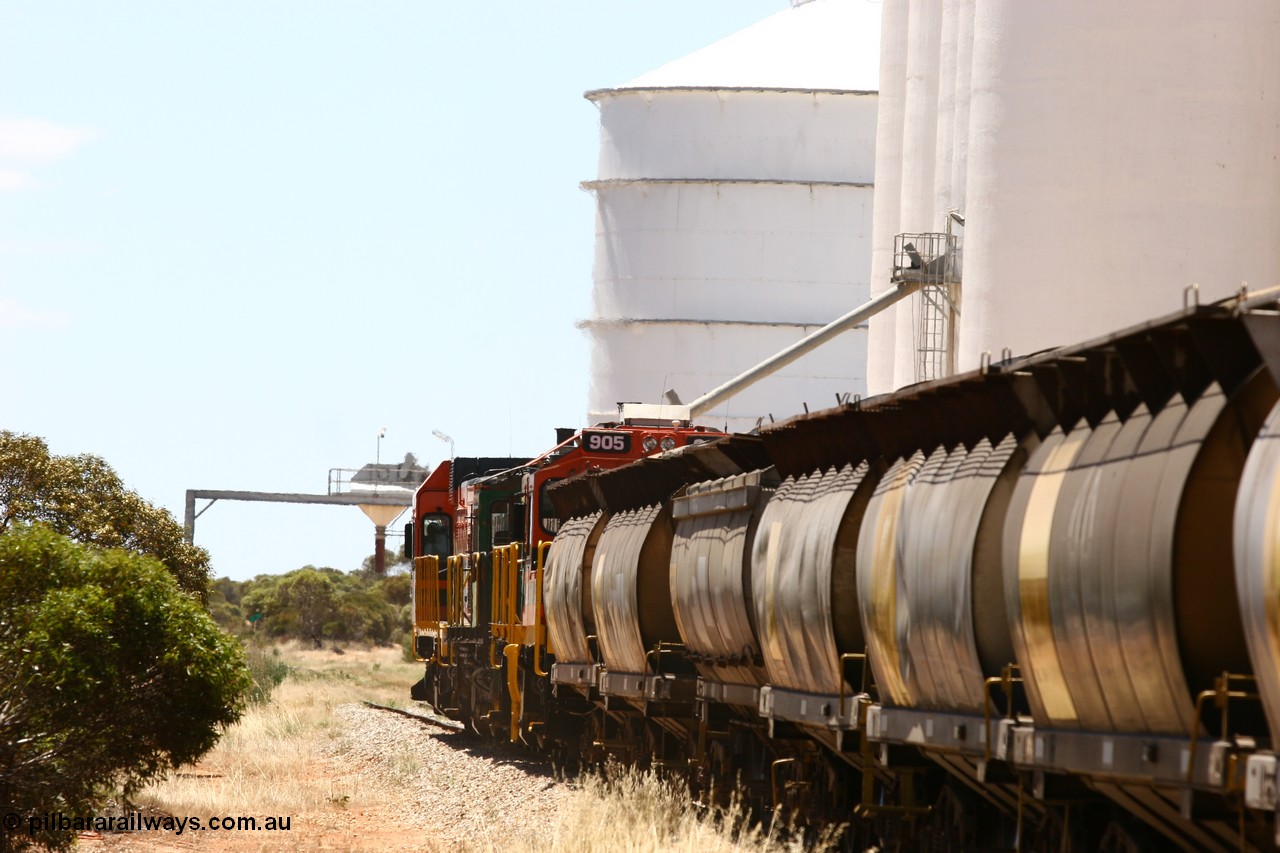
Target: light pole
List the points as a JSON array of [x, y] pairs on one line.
[[380, 530], [438, 434]]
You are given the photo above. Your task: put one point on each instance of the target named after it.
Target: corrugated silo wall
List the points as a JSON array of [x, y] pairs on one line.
[[1105, 156], [730, 223]]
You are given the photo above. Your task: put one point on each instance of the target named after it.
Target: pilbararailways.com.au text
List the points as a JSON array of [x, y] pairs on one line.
[[138, 822]]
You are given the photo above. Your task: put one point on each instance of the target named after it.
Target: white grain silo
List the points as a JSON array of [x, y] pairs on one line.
[[922, 140], [734, 216], [1104, 156]]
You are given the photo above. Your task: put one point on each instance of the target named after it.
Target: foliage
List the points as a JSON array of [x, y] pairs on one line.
[[268, 672], [398, 589], [393, 557], [83, 498], [111, 674], [309, 594], [316, 606]]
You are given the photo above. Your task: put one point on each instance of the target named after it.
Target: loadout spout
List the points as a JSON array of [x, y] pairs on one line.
[[774, 363]]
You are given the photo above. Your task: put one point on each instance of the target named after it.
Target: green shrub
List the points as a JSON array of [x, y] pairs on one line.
[[83, 498], [268, 671], [112, 676]]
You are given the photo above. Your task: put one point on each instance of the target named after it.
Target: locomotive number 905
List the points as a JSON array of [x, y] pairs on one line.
[[606, 442]]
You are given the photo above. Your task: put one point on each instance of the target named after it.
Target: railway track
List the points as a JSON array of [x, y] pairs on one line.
[[439, 722]]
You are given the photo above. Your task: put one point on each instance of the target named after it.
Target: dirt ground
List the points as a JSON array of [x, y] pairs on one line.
[[353, 778], [394, 824], [348, 777]]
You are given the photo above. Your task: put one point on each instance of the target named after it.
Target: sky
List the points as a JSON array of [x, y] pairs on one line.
[[239, 239]]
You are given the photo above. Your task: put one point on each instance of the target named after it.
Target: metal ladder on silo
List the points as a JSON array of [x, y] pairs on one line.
[[933, 333], [931, 259]]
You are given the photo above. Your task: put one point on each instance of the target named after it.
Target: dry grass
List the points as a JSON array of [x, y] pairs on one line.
[[639, 812], [290, 757], [264, 764]]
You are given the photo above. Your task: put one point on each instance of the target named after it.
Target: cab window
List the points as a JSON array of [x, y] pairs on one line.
[[547, 517], [500, 517], [508, 521], [437, 538]]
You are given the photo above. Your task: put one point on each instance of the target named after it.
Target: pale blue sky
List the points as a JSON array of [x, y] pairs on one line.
[[238, 238]]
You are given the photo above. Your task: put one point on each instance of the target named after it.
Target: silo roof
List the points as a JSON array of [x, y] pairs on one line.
[[823, 44]]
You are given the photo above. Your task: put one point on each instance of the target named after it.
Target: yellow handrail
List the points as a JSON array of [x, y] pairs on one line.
[[591, 637], [433, 564], [473, 571], [495, 599], [773, 778], [844, 682], [442, 622], [508, 581], [508, 571], [512, 653], [459, 590], [508, 591], [460, 581], [426, 601], [495, 604], [543, 547], [426, 579], [1222, 694], [504, 554], [450, 567], [1006, 680], [513, 592], [659, 649], [413, 580]]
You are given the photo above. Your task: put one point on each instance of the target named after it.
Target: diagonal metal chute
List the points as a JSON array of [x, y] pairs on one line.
[[802, 347]]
